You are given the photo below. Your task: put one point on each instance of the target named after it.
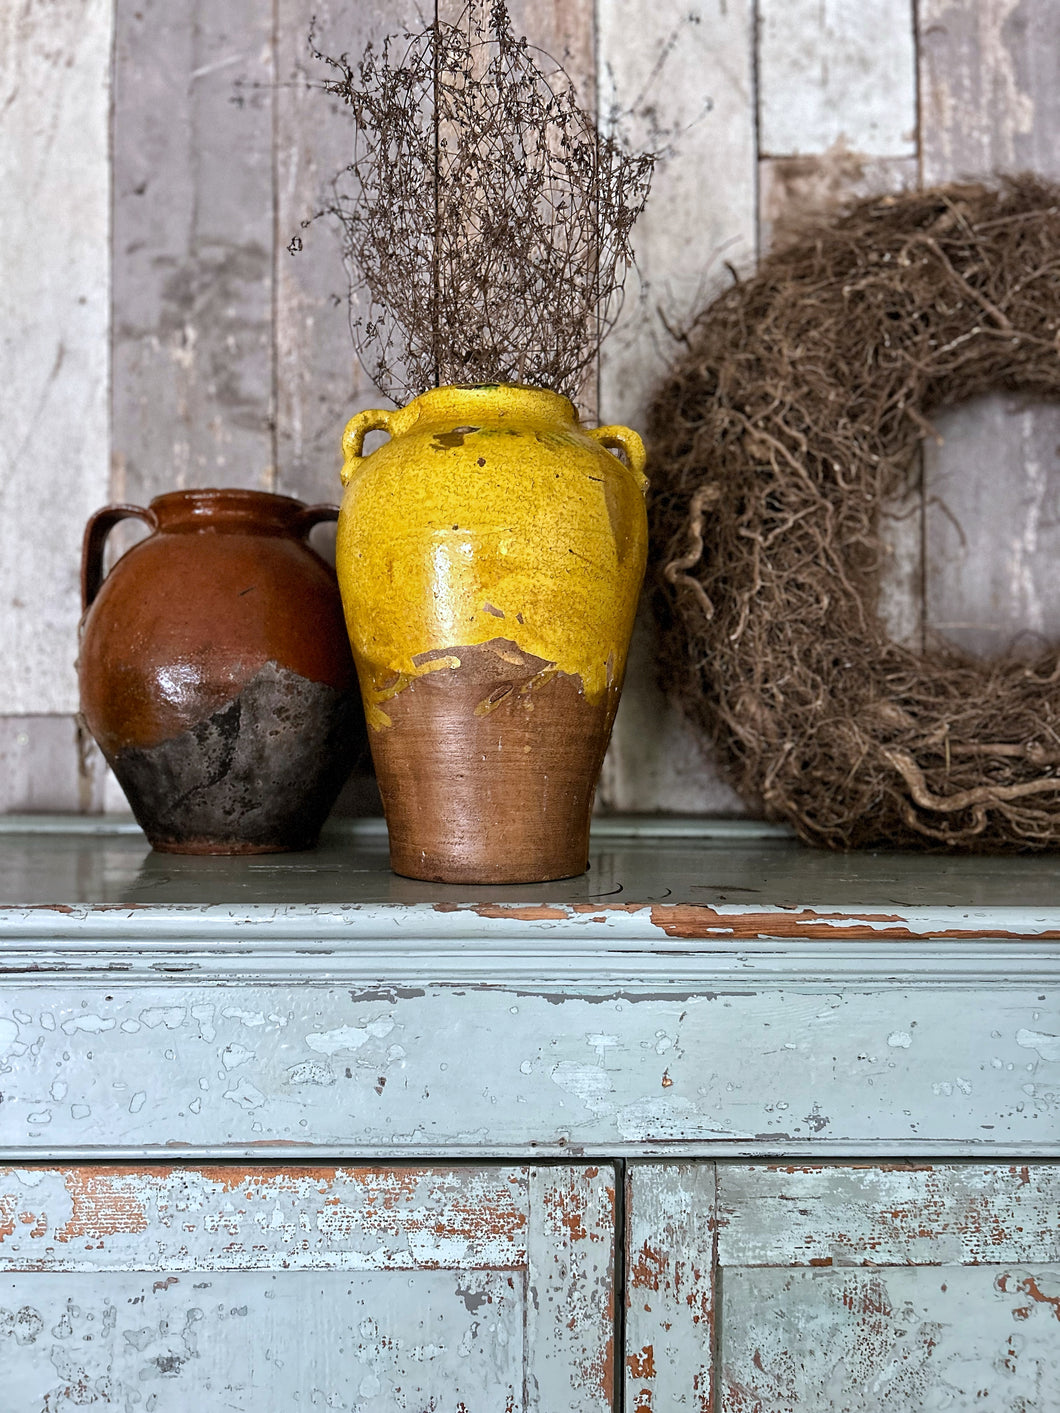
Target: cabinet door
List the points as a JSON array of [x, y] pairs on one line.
[[755, 1288], [164, 1289]]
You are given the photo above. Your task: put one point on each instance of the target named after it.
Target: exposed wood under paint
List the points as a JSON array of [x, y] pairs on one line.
[[495, 1285], [402, 1023]]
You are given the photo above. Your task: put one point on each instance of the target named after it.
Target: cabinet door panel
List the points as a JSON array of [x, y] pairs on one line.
[[890, 1340], [843, 1288], [254, 1340], [475, 1290]]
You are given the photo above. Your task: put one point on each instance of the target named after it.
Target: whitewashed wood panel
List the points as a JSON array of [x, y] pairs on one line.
[[858, 1289], [54, 293], [891, 1214], [193, 247], [689, 70], [795, 192], [891, 1341], [989, 97], [320, 383], [889, 1288], [48, 763], [414, 1068], [352, 1289], [836, 74], [671, 1225], [990, 101], [993, 516]]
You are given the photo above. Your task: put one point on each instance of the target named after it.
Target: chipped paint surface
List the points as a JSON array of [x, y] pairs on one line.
[[171, 1218], [670, 1286], [725, 1065], [889, 1214], [353, 1289], [890, 1341], [252, 1341]]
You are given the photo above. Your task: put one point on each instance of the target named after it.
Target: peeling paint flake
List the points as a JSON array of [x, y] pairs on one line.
[[1047, 1046]]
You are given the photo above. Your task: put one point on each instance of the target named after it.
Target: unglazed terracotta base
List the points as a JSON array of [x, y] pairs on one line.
[[490, 557], [488, 770]]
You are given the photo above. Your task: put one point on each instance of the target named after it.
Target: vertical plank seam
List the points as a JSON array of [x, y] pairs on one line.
[[597, 381], [620, 1236], [81, 743], [273, 481], [531, 1171], [918, 113], [918, 93], [756, 122], [436, 272], [714, 1381]]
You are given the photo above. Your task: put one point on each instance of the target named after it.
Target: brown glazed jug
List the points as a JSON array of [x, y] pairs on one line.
[[215, 671]]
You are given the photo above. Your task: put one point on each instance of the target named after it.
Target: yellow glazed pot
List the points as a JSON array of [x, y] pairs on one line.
[[490, 556]]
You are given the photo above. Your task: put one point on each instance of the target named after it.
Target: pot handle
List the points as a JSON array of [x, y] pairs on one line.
[[357, 428], [316, 515], [624, 439], [96, 531]]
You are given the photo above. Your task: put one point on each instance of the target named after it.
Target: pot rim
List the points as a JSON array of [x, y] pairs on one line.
[[498, 400]]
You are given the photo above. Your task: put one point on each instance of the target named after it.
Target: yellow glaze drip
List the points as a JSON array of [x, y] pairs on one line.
[[489, 514]]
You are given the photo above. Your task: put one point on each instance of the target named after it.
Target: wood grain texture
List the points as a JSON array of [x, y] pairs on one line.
[[990, 101], [993, 523], [193, 247], [795, 192], [484, 1068], [989, 97], [671, 1228], [320, 383], [889, 1287], [839, 74], [48, 763], [891, 1341], [376, 1288], [895, 1214], [54, 291], [687, 70]]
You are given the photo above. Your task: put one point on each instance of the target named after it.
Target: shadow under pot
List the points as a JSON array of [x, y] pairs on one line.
[[215, 671]]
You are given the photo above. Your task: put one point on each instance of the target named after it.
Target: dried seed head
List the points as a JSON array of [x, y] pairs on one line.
[[485, 218]]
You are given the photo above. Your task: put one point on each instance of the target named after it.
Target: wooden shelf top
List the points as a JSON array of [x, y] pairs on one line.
[[691, 879]]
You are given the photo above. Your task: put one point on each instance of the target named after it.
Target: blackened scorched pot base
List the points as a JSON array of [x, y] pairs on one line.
[[216, 674]]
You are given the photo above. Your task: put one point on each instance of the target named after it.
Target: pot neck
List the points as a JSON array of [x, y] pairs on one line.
[[227, 511], [488, 402]]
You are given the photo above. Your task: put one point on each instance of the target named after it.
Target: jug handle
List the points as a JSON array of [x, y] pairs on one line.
[[624, 439], [316, 515], [357, 428], [96, 531]]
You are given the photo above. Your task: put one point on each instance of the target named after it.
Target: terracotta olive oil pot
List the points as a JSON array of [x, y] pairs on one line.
[[490, 556], [216, 673]]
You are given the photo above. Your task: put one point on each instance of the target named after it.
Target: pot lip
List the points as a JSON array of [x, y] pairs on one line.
[[238, 495], [236, 506], [500, 400]]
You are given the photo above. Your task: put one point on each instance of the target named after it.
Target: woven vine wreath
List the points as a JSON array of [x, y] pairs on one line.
[[794, 412]]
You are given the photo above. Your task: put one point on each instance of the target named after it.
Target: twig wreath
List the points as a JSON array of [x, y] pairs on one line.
[[794, 411]]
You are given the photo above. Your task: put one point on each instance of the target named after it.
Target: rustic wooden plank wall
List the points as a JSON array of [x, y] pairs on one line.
[[54, 309], [229, 362]]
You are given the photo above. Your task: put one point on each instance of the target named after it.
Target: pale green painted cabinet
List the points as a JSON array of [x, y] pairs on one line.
[[723, 1125]]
